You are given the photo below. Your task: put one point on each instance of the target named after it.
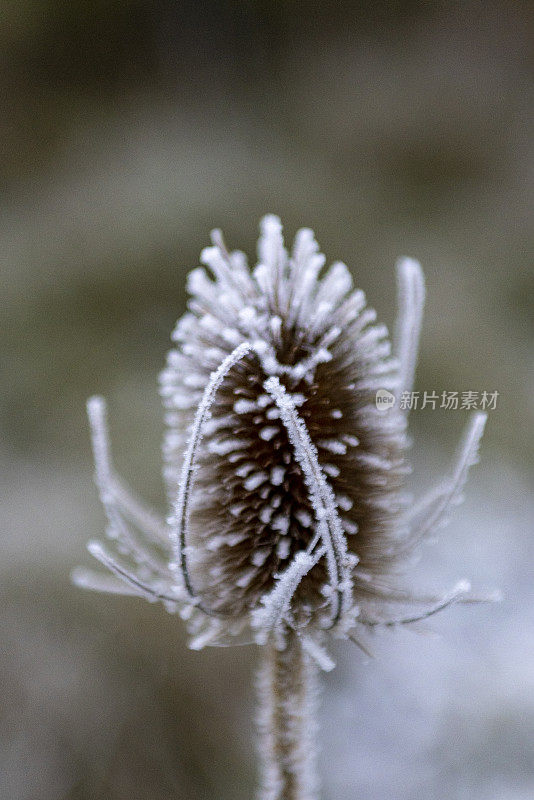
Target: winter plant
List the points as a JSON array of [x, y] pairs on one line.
[[290, 520]]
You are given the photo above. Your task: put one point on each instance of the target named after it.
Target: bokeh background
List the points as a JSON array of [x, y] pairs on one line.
[[128, 130]]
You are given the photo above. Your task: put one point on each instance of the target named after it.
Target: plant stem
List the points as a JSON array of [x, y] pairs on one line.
[[287, 722]]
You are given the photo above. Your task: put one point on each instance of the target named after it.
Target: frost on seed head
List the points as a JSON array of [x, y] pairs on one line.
[[289, 509]]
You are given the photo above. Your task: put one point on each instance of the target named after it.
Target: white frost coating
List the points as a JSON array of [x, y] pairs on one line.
[[259, 557], [245, 406], [207, 636], [350, 527], [276, 603], [236, 261], [344, 502], [223, 447], [318, 653], [321, 495], [373, 461], [269, 432], [213, 258], [150, 593], [246, 578], [461, 593], [117, 500], [287, 719], [96, 411], [332, 446], [282, 548], [411, 300], [181, 508], [273, 259], [266, 514], [255, 480], [113, 491], [305, 368], [233, 539], [332, 470], [148, 520], [281, 522], [244, 470], [277, 476], [102, 582], [304, 517], [431, 510]]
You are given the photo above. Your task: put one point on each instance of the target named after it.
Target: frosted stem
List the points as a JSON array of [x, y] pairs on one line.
[[287, 722]]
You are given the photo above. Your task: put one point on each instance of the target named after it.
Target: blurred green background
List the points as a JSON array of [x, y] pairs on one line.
[[129, 130]]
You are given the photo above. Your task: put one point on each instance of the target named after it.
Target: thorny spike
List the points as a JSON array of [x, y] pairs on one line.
[[102, 582], [411, 300], [146, 519], [115, 496], [99, 552], [112, 487], [96, 411], [429, 512], [318, 653], [360, 645], [217, 239], [460, 594]]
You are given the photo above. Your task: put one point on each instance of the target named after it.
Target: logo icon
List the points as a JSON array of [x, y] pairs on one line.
[[384, 400]]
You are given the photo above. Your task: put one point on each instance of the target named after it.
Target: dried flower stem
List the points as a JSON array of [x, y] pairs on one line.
[[287, 721]]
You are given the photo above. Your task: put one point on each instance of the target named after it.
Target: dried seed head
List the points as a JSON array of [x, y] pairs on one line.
[[252, 509], [286, 482]]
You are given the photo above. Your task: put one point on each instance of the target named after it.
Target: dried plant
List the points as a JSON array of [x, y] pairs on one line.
[[290, 518]]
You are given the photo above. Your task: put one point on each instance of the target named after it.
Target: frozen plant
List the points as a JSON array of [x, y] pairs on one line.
[[289, 517]]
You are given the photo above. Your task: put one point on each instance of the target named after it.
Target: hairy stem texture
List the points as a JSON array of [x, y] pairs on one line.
[[287, 722]]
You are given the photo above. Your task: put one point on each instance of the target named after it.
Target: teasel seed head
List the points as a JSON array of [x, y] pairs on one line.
[[286, 482]]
